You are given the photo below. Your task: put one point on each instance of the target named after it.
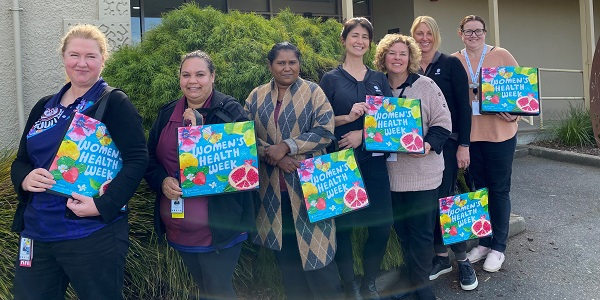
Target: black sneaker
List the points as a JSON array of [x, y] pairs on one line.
[[441, 265], [466, 275]]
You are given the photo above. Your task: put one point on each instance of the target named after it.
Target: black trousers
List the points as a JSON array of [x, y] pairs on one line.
[[374, 250], [213, 271], [491, 167], [414, 219], [94, 266], [447, 188], [323, 283]]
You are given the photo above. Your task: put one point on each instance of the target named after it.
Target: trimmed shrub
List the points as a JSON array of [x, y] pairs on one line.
[[238, 44]]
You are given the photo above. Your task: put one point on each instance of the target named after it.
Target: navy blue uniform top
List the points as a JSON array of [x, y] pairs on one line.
[[343, 90]]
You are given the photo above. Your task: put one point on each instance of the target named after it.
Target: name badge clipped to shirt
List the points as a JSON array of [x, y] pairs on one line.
[[177, 208], [25, 252], [475, 103]]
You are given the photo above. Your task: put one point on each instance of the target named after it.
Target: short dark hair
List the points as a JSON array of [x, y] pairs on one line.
[[282, 46], [199, 54]]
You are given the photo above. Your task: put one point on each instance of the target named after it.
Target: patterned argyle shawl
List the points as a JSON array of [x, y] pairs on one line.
[[305, 119]]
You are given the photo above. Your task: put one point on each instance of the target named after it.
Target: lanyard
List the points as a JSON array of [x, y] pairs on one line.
[[475, 77]]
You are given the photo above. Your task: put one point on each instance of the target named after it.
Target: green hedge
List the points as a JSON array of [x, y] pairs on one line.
[[148, 72], [238, 44]]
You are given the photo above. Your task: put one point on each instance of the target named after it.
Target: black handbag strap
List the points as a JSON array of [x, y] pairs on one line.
[[102, 102], [334, 142]]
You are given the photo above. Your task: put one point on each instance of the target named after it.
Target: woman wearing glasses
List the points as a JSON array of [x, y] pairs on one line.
[[493, 142], [448, 73]]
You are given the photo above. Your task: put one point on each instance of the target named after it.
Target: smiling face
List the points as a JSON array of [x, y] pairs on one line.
[[285, 68], [196, 80], [83, 62], [396, 59], [424, 37], [357, 42], [473, 41]]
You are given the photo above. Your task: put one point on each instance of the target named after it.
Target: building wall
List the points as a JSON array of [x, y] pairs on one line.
[[8, 114], [390, 14], [43, 23], [539, 33]]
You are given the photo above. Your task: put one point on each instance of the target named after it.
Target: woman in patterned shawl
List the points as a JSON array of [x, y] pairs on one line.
[[293, 121]]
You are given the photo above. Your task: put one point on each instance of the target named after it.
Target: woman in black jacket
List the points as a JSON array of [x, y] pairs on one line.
[[210, 233]]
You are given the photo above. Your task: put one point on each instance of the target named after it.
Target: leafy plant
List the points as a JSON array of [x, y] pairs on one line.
[[238, 44], [574, 127]]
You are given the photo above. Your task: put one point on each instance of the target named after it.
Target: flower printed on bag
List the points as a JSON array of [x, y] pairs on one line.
[[82, 127], [307, 168], [189, 137]]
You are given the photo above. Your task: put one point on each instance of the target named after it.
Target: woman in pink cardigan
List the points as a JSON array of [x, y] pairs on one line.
[[415, 178], [493, 142]]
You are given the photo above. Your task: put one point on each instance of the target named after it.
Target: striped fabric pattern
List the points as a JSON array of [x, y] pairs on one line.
[[306, 117]]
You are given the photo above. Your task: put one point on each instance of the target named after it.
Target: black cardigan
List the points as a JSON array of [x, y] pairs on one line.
[[228, 214], [448, 73], [125, 126]]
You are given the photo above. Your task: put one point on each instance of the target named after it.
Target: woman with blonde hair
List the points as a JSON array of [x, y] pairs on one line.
[[447, 72], [415, 178], [77, 240]]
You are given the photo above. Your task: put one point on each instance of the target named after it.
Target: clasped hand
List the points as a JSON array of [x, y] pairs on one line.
[[38, 181], [427, 147], [358, 109], [171, 189], [82, 206]]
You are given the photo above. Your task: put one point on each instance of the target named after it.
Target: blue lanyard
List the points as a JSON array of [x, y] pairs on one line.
[[475, 77]]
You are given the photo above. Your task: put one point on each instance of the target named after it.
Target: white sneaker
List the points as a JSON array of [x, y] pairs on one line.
[[477, 253], [493, 261]]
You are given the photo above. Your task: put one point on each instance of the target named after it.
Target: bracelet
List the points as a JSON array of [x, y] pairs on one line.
[[464, 145]]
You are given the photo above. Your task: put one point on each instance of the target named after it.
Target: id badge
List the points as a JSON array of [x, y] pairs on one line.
[[177, 208], [25, 252], [475, 106]]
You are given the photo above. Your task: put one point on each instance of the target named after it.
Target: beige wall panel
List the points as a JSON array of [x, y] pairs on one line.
[[448, 15], [389, 14], [554, 42]]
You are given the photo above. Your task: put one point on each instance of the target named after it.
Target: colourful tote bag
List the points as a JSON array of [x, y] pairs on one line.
[[217, 158], [393, 125], [332, 185], [509, 89], [465, 216]]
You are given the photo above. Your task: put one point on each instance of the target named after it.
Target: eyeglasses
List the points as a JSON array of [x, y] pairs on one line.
[[477, 32]]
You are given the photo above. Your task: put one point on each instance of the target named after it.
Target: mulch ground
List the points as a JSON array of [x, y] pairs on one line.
[[591, 150]]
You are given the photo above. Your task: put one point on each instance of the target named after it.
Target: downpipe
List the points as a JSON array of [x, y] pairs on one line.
[[16, 11]]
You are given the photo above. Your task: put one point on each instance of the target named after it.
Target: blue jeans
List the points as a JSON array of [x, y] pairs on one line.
[[491, 167]]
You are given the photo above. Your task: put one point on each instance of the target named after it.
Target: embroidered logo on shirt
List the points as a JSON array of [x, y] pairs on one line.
[[377, 90], [437, 72], [46, 121]]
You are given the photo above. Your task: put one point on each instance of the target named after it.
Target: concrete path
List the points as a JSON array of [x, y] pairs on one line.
[[557, 256]]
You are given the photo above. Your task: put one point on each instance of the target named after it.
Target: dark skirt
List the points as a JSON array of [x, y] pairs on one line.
[[377, 183]]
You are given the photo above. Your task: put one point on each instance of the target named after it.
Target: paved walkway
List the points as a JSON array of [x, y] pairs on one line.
[[557, 256]]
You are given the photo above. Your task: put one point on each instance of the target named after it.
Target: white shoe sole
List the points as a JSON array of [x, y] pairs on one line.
[[478, 258], [470, 287], [495, 268], [442, 272]]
